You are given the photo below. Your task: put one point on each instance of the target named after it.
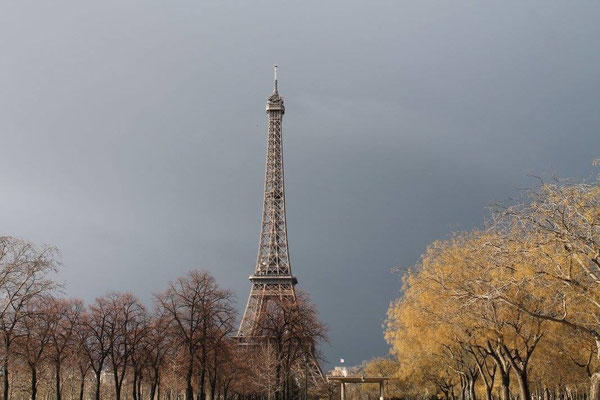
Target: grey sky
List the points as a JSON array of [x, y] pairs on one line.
[[133, 135]]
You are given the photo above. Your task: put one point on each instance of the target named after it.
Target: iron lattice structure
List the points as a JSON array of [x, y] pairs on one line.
[[272, 277]]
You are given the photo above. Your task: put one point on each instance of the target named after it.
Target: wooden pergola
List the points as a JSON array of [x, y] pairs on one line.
[[358, 379]]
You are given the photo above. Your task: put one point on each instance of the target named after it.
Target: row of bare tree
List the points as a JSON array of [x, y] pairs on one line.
[[116, 348]]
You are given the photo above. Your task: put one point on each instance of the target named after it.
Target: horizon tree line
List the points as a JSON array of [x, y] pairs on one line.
[[115, 348]]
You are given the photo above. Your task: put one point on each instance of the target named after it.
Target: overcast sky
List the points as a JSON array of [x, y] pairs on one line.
[[133, 135]]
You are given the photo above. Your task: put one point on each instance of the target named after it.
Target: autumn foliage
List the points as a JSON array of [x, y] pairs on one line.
[[510, 310]]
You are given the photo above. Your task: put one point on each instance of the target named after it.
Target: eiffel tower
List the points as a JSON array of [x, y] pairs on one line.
[[273, 279]]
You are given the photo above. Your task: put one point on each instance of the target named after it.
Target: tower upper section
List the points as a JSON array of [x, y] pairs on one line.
[[273, 257]]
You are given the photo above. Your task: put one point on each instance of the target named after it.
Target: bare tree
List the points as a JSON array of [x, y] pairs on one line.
[[64, 318], [48, 341], [94, 338], [141, 350], [35, 330], [158, 343], [125, 322], [291, 330], [221, 320], [220, 351], [193, 303], [233, 369], [80, 356], [24, 273], [263, 370]]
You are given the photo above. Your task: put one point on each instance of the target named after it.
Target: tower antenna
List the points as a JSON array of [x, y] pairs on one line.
[[275, 76]]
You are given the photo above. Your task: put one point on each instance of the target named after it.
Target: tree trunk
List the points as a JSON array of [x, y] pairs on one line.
[[5, 368], [213, 386], [33, 383], [278, 383], [57, 377], [472, 389], [154, 384], [524, 393], [189, 390], [117, 391], [82, 387], [98, 374], [503, 369], [134, 386], [152, 390], [203, 375], [117, 386], [505, 384], [595, 386], [139, 386]]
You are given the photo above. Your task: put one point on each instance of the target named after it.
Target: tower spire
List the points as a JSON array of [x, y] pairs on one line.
[[274, 78]]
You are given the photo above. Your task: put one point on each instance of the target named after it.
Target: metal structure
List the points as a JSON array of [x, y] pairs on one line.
[[272, 277], [342, 380]]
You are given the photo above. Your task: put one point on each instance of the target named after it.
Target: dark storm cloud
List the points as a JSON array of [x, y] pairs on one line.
[[133, 135]]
